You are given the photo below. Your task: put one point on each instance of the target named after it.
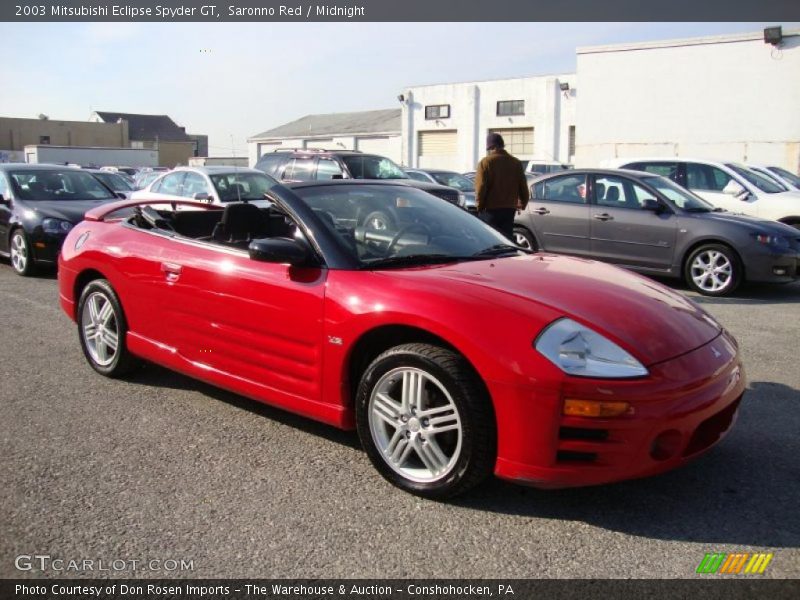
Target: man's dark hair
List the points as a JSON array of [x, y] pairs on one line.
[[494, 140]]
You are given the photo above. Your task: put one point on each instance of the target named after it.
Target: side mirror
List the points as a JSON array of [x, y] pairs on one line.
[[734, 188], [4, 202], [202, 196], [653, 205], [279, 250], [337, 176], [122, 196]]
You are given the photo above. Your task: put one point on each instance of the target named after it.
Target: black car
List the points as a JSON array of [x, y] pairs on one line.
[[39, 204], [293, 165], [649, 224]]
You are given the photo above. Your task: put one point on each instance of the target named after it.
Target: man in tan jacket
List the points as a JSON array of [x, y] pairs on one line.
[[500, 187]]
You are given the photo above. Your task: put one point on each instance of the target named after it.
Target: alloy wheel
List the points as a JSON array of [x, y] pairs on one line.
[[100, 329], [415, 424], [19, 252], [711, 271], [522, 241]]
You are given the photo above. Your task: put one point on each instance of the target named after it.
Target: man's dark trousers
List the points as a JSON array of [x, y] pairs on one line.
[[501, 219]]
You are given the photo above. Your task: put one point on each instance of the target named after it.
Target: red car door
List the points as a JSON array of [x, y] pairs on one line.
[[250, 326]]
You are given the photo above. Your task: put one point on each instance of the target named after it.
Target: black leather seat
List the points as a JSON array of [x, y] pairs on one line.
[[241, 222]]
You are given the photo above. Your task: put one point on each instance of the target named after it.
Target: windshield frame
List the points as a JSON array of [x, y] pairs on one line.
[[338, 254]]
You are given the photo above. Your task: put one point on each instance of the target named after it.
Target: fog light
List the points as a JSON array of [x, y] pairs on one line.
[[666, 445], [779, 270], [592, 408]]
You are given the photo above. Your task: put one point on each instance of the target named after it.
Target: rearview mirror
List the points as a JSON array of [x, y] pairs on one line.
[[279, 250], [201, 196]]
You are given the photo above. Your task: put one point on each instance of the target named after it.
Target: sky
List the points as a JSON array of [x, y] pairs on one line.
[[232, 81]]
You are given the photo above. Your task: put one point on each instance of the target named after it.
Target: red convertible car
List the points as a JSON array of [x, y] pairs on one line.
[[453, 353]]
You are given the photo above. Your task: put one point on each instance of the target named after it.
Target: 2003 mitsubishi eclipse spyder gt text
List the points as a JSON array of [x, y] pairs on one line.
[[453, 353]]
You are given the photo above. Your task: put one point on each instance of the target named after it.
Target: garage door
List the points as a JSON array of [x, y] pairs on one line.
[[519, 140], [438, 149], [326, 144], [373, 145]]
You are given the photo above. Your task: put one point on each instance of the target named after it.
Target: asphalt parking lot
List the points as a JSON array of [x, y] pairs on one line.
[[162, 467]]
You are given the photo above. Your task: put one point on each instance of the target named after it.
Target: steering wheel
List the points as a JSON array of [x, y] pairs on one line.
[[406, 229]]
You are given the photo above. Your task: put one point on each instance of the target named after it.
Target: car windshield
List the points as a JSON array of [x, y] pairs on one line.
[[454, 180], [147, 178], [762, 182], [368, 166], [52, 184], [386, 226], [681, 197], [771, 176], [236, 186], [788, 176], [114, 181]]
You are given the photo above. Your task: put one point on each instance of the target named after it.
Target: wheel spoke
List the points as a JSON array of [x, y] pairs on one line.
[[434, 461], [110, 339], [94, 309], [387, 408], [444, 423], [105, 313], [412, 390]]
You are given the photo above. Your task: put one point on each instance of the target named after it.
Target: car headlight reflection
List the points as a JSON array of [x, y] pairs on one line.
[[578, 350], [56, 226]]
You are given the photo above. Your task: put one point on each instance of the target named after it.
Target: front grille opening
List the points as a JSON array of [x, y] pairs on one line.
[[581, 433], [572, 456], [710, 430]]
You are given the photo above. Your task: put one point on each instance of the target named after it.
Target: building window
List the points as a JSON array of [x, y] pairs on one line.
[[138, 145], [572, 140], [519, 140], [437, 111], [510, 108], [44, 139]]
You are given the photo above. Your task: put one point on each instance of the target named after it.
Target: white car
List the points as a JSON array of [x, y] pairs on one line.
[[215, 185], [786, 178], [728, 185]]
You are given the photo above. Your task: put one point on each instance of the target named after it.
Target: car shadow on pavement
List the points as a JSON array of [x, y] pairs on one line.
[[744, 491], [156, 376]]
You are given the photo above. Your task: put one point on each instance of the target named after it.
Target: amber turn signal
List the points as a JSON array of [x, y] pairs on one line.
[[592, 408]]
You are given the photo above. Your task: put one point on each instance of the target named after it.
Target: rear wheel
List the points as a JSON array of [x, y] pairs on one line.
[[21, 254], [102, 328], [713, 270], [524, 239], [425, 421]]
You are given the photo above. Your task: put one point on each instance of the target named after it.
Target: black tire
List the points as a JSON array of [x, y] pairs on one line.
[[20, 253], [524, 239], [474, 457], [379, 221], [122, 362], [699, 270]]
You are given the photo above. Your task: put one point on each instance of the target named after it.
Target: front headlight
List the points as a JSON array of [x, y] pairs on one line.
[[772, 240], [56, 226], [578, 350]]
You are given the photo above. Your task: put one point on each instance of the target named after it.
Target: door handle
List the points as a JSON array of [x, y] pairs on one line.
[[603, 217], [541, 211], [172, 272]]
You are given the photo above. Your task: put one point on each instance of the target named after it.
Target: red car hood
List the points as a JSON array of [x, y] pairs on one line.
[[649, 320]]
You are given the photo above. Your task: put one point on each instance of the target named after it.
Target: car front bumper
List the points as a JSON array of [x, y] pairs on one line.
[[684, 407], [46, 246], [772, 266]]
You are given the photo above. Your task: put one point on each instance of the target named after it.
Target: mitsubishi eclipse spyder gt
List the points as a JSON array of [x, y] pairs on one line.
[[454, 354]]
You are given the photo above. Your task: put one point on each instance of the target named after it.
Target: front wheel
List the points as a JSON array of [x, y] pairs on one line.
[[102, 328], [713, 270], [21, 254], [425, 421]]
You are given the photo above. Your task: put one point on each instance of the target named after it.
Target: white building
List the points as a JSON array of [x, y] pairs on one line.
[[731, 97], [373, 131], [445, 125]]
